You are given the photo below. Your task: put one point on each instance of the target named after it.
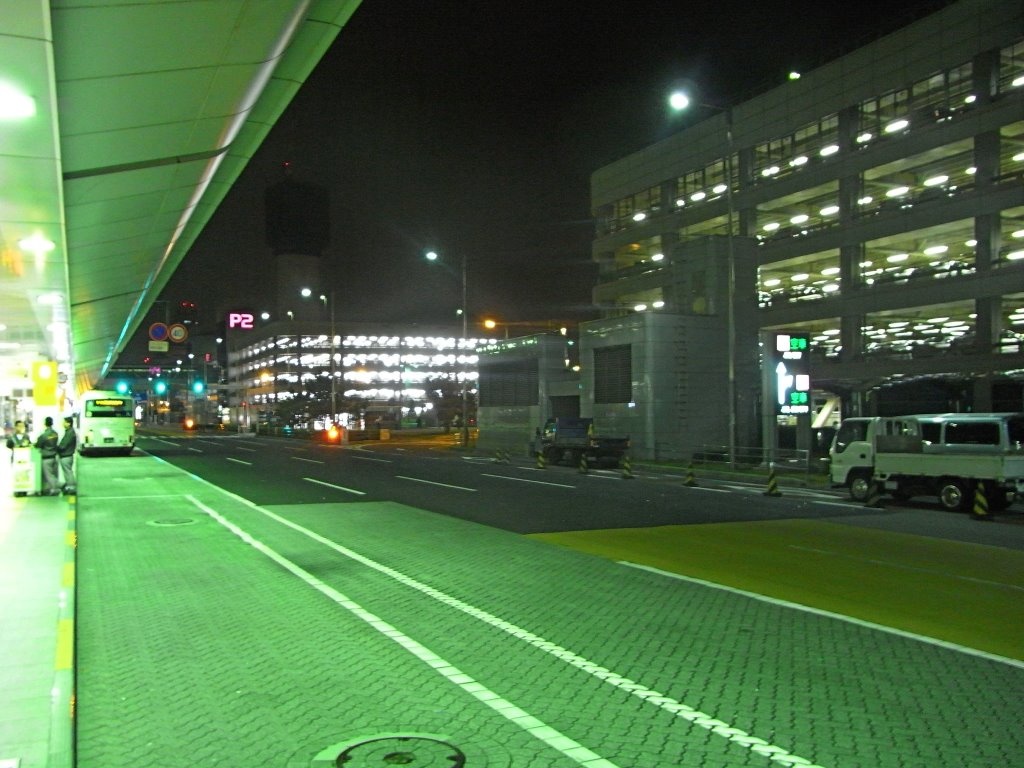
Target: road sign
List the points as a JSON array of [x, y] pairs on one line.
[[158, 332], [791, 368], [177, 333], [159, 346]]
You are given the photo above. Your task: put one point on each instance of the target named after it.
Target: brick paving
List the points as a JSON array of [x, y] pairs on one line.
[[197, 648]]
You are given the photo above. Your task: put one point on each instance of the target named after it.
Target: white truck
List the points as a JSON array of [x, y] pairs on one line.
[[943, 455]]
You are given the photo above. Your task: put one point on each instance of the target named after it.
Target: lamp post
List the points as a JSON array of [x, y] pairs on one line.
[[679, 101], [306, 293], [432, 256]]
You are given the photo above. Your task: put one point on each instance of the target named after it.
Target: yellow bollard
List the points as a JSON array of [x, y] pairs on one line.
[[773, 484], [541, 461], [980, 510], [874, 498], [627, 468], [690, 481], [583, 464]]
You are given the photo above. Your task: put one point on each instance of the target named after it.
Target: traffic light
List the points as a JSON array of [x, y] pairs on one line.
[[198, 387], [122, 387], [160, 387]]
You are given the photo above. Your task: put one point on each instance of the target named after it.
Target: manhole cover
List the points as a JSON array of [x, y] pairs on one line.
[[416, 751], [173, 521]]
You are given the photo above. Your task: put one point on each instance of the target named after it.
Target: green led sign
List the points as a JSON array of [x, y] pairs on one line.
[[791, 366]]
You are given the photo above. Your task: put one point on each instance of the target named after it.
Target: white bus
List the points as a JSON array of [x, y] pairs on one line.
[[106, 423]]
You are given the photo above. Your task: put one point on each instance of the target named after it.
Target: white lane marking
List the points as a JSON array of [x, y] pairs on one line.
[[332, 485], [900, 566], [537, 728], [524, 480], [783, 603], [431, 482], [132, 496], [702, 488], [367, 458], [841, 504], [240, 448], [194, 450], [667, 703], [829, 614], [308, 461], [239, 461], [158, 440], [208, 442]]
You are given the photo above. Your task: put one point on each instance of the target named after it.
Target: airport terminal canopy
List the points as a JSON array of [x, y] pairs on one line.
[[122, 127]]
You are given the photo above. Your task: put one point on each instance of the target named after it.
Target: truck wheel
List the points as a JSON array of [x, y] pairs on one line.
[[860, 486], [955, 494]]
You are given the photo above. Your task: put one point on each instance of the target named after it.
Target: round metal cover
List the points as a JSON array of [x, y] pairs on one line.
[[416, 751], [173, 521]]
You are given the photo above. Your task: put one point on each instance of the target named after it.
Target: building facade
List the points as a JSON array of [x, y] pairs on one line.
[[876, 203], [291, 372]]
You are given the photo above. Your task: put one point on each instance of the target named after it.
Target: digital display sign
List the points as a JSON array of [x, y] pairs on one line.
[[241, 320], [791, 368]]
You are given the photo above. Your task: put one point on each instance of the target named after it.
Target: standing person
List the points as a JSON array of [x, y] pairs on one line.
[[47, 445], [66, 454], [19, 437]]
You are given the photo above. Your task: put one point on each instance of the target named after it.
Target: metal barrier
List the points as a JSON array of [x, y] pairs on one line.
[[790, 461]]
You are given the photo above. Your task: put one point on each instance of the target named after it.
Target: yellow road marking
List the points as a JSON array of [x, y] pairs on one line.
[[967, 594], [65, 644]]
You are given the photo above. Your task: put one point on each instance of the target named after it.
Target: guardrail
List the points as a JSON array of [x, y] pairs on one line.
[[795, 461]]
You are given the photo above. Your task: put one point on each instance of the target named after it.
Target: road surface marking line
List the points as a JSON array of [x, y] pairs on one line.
[[841, 504], [367, 458], [239, 461], [532, 725], [158, 440], [667, 703], [431, 482], [310, 461], [332, 485], [900, 566], [524, 480], [240, 448], [829, 614], [134, 496], [194, 450]]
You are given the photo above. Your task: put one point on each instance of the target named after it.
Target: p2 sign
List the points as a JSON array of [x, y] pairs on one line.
[[240, 320]]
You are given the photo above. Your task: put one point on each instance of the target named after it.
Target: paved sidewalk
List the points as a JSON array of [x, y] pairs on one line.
[[36, 628], [215, 632]]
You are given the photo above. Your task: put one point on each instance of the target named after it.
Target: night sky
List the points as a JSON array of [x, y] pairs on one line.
[[473, 127]]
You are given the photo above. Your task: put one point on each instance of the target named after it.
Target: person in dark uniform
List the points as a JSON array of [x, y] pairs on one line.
[[19, 437], [66, 455], [47, 445]]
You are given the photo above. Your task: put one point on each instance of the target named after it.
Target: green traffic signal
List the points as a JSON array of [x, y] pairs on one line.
[[198, 387], [160, 387], [122, 387]]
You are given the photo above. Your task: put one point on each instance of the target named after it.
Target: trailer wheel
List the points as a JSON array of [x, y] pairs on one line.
[[954, 494], [860, 486]]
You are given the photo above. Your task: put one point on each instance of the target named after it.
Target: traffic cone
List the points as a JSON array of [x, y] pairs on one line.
[[980, 510], [627, 468], [690, 481], [583, 464], [773, 484]]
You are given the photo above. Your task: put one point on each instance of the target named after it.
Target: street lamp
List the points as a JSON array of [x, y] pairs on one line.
[[463, 310], [679, 101], [324, 299]]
